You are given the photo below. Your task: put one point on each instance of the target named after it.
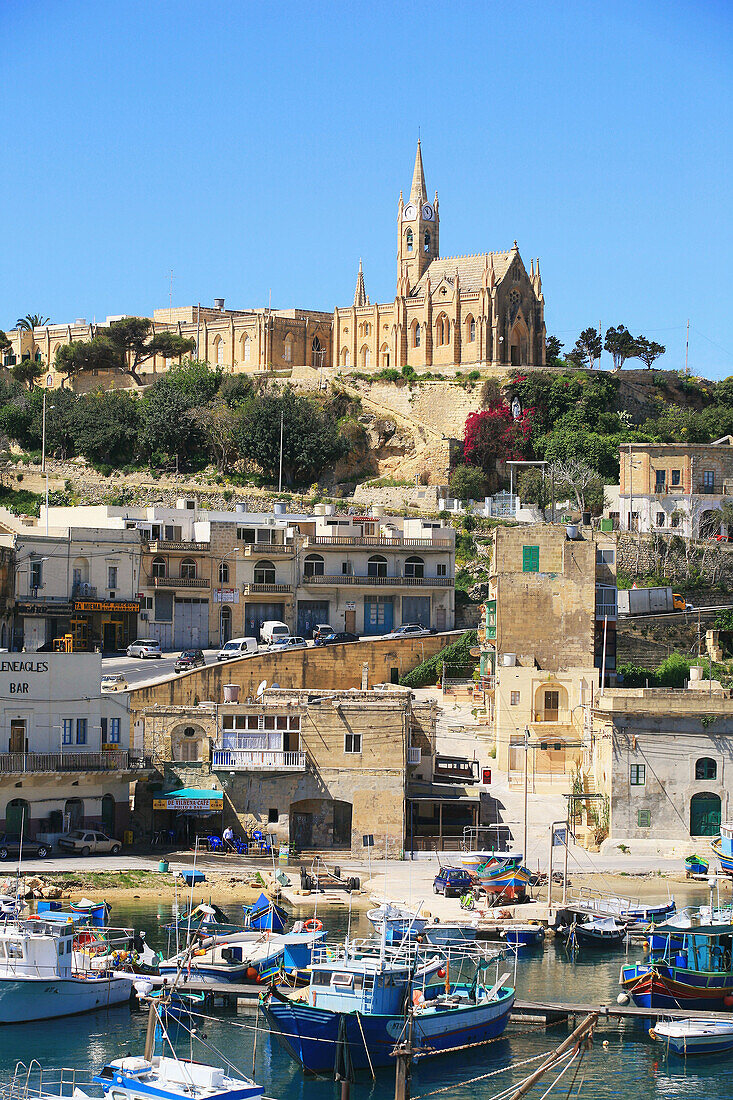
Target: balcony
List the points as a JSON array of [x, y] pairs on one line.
[[375, 540], [156, 545], [337, 579], [179, 582], [25, 763], [258, 760], [709, 488], [266, 589], [268, 550]]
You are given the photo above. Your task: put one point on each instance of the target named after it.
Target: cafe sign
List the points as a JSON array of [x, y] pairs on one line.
[[107, 605], [192, 805]]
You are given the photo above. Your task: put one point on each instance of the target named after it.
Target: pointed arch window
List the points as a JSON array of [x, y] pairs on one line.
[[408, 240], [470, 329], [288, 349], [426, 243], [246, 345], [416, 334]]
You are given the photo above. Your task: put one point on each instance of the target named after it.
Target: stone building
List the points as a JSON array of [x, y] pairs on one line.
[[317, 769], [483, 309], [549, 621], [663, 757], [675, 487]]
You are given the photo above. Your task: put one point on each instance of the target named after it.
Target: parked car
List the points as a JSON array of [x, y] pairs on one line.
[[10, 846], [321, 630], [336, 637], [145, 647], [280, 644], [237, 647], [271, 629], [190, 658], [452, 880], [408, 630], [114, 682], [88, 841]]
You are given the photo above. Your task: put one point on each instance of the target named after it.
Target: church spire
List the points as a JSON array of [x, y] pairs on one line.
[[418, 190], [360, 296]]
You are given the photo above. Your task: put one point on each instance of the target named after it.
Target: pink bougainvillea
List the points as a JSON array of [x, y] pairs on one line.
[[493, 435]]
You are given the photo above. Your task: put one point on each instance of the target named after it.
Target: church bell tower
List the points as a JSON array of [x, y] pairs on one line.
[[417, 231]]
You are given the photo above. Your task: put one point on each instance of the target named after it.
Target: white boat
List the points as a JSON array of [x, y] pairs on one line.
[[696, 1036], [396, 920], [242, 956], [39, 979]]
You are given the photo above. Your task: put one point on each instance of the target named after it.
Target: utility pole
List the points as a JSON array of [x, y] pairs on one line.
[[280, 479], [526, 786], [403, 1055], [687, 347]]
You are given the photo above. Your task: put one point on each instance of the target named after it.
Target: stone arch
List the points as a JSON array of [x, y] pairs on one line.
[[313, 566], [246, 346], [415, 334], [384, 355], [74, 807], [365, 355], [377, 566], [187, 742], [414, 566], [409, 241], [470, 328], [705, 814], [442, 330], [264, 572], [17, 816], [345, 357], [706, 768], [159, 567], [218, 347], [188, 569], [288, 347], [550, 702], [519, 344]]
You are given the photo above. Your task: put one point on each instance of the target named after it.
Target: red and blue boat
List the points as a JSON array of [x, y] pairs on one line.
[[504, 879], [722, 848]]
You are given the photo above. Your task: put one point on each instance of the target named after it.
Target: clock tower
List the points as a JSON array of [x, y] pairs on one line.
[[417, 231]]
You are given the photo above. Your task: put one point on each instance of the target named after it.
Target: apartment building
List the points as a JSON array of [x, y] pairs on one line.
[[675, 487], [549, 627], [317, 769], [64, 746], [663, 758], [71, 578], [199, 577]]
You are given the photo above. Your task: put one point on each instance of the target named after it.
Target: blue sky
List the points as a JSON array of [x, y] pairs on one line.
[[253, 147]]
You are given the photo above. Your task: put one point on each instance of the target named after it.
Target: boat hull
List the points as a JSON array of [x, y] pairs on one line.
[[726, 862], [662, 986], [23, 1000], [310, 1034]]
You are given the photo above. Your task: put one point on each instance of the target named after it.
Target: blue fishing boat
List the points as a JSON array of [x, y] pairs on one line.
[[695, 865], [396, 921], [364, 997], [689, 964], [265, 915], [95, 911], [524, 935], [722, 848]]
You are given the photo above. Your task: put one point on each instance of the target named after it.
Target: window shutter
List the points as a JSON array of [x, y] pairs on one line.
[[530, 559]]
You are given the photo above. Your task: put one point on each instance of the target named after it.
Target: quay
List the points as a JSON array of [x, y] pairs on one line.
[[548, 1012]]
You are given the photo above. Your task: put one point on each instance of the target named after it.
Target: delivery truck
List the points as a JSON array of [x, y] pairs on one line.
[[649, 601]]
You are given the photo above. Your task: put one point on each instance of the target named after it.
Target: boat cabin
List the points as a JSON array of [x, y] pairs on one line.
[[455, 769], [36, 949], [139, 1079], [704, 950], [726, 839], [359, 986]]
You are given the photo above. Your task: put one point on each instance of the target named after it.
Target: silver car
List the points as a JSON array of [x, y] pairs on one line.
[[284, 645], [144, 647]]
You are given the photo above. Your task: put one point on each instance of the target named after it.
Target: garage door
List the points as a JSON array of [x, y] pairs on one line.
[[255, 614], [191, 623], [416, 609], [378, 614], [310, 614]]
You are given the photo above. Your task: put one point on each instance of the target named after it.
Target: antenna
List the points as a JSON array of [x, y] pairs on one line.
[[261, 688]]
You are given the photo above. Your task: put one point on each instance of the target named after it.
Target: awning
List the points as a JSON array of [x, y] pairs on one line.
[[191, 800]]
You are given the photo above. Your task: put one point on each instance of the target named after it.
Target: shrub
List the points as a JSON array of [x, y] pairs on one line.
[[468, 483], [455, 656]]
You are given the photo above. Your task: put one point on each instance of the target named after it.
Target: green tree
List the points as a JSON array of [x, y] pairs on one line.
[[80, 357], [583, 481], [130, 342], [220, 426], [621, 344], [61, 419], [647, 350], [723, 392], [553, 347], [310, 438], [534, 487], [169, 428], [5, 344], [589, 345], [31, 321], [577, 357], [27, 371], [468, 483], [106, 427]]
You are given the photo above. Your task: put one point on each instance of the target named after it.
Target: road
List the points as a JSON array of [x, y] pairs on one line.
[[137, 671]]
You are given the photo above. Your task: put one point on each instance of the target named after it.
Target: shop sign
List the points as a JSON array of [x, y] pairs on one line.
[[350, 605], [193, 805], [131, 606], [226, 595]]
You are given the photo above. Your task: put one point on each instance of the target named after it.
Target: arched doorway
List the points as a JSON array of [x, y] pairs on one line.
[[17, 816], [74, 808], [108, 814], [705, 814], [225, 625]]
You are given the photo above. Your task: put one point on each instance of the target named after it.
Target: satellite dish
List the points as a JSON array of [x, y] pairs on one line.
[[261, 688]]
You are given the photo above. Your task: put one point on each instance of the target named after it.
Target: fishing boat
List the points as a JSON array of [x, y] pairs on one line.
[[697, 1036], [630, 911], [11, 907], [504, 879], [364, 998], [97, 911], [39, 977], [722, 848], [449, 934], [524, 935], [695, 865], [599, 932], [691, 970], [245, 956], [397, 921], [265, 915]]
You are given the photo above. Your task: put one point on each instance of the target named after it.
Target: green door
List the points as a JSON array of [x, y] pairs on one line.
[[705, 815]]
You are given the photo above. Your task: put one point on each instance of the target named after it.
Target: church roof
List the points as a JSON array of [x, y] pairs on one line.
[[360, 294], [418, 189], [470, 269]]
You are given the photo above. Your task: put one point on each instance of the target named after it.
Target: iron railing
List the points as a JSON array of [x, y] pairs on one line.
[[274, 589], [377, 540], [179, 582], [252, 760], [22, 763], [389, 582]]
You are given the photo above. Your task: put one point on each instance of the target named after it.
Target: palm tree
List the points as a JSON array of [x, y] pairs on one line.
[[31, 321]]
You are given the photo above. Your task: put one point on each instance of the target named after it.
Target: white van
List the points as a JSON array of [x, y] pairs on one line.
[[237, 647], [272, 629]]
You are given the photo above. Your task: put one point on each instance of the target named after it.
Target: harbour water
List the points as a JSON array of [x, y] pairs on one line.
[[623, 1063]]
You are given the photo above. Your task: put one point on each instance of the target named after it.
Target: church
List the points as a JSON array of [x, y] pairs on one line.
[[453, 311]]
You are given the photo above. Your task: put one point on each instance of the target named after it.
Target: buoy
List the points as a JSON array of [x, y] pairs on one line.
[[622, 999], [251, 972], [441, 972], [645, 945], [605, 1044], [728, 1000]]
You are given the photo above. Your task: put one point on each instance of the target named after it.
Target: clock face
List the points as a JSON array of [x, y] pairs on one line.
[[427, 212], [410, 213]]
